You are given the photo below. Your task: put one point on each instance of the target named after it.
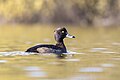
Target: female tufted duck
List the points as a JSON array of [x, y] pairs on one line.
[[59, 48]]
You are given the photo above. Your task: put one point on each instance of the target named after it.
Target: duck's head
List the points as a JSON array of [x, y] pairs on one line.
[[61, 33]]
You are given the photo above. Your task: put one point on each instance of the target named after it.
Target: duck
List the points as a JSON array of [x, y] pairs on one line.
[[59, 34]]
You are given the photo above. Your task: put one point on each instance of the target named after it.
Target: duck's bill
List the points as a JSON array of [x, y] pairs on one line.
[[70, 36]]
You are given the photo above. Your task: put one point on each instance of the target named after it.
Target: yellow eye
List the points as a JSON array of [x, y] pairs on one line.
[[62, 31]]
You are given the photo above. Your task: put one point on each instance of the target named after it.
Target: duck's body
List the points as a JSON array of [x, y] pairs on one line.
[[59, 48], [47, 49]]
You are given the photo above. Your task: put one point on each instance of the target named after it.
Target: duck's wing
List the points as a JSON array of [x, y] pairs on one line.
[[44, 49]]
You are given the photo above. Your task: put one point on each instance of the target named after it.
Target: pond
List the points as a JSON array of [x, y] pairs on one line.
[[93, 55]]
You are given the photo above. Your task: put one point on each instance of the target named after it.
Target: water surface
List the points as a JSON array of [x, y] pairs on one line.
[[93, 55]]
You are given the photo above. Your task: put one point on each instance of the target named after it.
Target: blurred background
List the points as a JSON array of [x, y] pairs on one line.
[[93, 55], [75, 12]]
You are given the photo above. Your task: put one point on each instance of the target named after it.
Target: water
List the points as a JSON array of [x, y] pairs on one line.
[[93, 55]]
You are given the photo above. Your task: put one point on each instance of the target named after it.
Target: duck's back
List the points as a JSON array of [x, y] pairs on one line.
[[46, 49]]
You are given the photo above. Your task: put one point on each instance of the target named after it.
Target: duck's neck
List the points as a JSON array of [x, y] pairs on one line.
[[61, 44]]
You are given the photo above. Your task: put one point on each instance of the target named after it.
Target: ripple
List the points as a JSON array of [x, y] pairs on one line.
[[98, 49], [107, 65], [71, 52], [15, 53], [109, 52], [36, 74], [83, 77], [116, 59], [55, 63], [32, 68], [92, 69], [34, 71], [22, 53], [3, 61], [72, 60], [116, 44]]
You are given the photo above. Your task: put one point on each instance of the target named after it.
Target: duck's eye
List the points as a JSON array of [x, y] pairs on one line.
[[63, 32]]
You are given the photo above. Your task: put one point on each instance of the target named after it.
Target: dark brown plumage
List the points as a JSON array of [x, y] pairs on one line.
[[59, 34]]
